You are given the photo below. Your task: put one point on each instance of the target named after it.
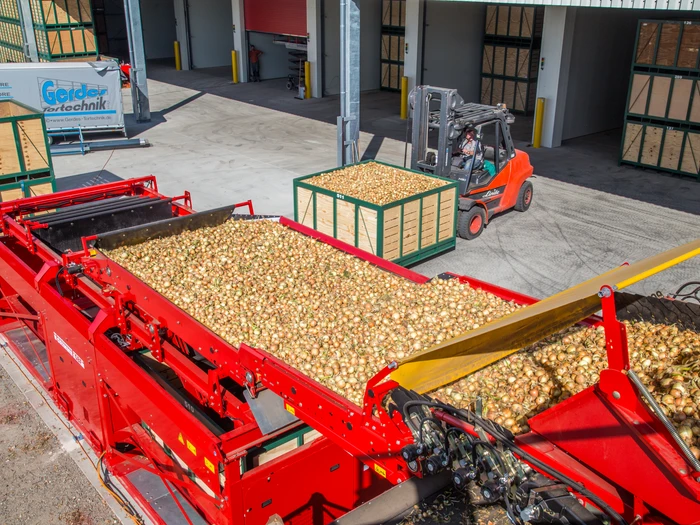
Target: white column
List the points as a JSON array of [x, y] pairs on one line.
[[314, 44], [181, 33], [413, 49], [240, 39], [553, 78]]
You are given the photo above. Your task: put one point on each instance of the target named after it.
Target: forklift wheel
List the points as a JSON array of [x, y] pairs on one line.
[[524, 197], [471, 223]]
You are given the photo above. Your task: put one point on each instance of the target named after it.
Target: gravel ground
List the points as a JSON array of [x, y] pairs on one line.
[[39, 482]]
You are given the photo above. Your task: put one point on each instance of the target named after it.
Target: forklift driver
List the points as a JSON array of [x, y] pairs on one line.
[[472, 152]]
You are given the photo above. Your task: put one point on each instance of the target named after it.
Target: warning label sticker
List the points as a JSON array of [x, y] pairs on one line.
[[68, 349]]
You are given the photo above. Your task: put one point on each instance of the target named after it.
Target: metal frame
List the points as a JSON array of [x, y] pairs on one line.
[[639, 471], [137, 54], [349, 119]]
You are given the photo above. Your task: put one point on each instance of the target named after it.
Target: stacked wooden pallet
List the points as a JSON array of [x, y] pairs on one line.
[[11, 41], [63, 28], [662, 122], [25, 160], [510, 56]]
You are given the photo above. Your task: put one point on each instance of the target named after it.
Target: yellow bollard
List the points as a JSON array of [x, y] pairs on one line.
[[307, 79], [539, 117], [234, 66], [404, 98], [178, 60]]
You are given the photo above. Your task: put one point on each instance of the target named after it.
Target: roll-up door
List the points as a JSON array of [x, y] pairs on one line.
[[283, 17]]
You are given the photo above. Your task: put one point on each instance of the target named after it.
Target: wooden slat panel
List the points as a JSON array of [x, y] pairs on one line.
[[9, 158], [652, 145], [497, 94], [305, 207], [523, 63], [520, 96], [509, 93], [528, 22], [660, 87], [447, 214], [324, 213], [690, 45], [410, 227], [671, 155], [503, 21], [499, 60], [668, 44], [41, 189], [487, 59], [680, 98], [10, 195], [646, 42], [392, 231], [33, 142], [514, 27], [691, 154], [486, 84], [632, 142], [345, 221], [429, 221], [695, 107], [367, 230], [491, 14], [511, 61], [639, 93]]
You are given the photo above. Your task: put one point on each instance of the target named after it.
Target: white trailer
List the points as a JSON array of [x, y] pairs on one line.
[[83, 96]]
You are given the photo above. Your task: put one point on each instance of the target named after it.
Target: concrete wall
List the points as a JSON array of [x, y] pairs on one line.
[[370, 42], [274, 63], [158, 18], [211, 32], [599, 74], [452, 43]]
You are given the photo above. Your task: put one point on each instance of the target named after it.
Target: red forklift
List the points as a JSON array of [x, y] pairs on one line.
[[487, 186]]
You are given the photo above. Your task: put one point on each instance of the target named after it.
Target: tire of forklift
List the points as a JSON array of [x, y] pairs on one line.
[[524, 197], [470, 223]]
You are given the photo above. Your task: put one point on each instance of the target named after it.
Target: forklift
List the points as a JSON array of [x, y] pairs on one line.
[[490, 182]]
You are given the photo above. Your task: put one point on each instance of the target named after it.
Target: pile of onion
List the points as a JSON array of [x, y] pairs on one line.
[[514, 389], [332, 316], [375, 183]]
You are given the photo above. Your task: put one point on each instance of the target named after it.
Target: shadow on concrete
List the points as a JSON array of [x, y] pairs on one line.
[[84, 180], [157, 117]]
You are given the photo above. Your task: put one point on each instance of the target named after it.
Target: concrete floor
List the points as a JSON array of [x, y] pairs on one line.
[[227, 143]]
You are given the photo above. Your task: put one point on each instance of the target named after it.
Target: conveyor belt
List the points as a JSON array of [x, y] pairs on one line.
[[66, 227], [458, 357]]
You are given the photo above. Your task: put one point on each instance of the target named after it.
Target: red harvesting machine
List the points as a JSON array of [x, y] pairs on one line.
[[198, 431]]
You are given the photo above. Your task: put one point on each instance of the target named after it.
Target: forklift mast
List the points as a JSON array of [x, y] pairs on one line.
[[450, 118]]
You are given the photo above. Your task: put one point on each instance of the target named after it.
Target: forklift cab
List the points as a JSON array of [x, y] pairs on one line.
[[490, 137]]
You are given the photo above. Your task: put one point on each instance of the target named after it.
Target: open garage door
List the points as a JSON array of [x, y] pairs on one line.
[[211, 32], [282, 17]]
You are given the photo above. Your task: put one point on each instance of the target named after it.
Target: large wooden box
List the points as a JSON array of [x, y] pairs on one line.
[[405, 231], [25, 160]]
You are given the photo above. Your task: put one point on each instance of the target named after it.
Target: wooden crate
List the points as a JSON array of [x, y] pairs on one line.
[[514, 21], [61, 12], [24, 148], [668, 44], [661, 147], [65, 41], [9, 9], [405, 232], [664, 97]]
